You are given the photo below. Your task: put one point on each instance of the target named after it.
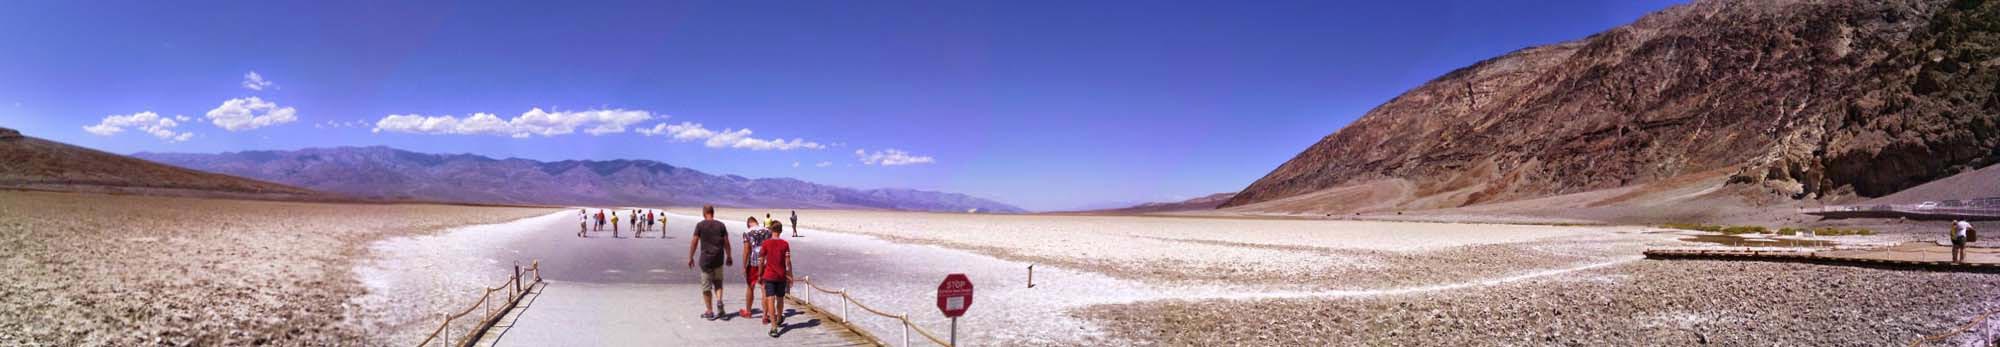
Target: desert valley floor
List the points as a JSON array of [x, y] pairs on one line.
[[91, 269]]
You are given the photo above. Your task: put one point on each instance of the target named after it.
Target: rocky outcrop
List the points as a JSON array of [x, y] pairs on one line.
[[1804, 99]]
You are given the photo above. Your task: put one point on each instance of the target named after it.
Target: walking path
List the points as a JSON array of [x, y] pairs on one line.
[[593, 314], [637, 291]]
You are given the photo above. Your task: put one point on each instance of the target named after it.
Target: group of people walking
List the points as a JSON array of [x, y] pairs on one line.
[[767, 257], [639, 220], [767, 262]]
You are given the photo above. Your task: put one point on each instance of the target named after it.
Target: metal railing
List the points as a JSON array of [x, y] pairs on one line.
[[515, 292], [846, 301]]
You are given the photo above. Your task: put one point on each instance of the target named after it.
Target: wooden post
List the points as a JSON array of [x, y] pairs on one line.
[[446, 333], [906, 329], [1031, 275]]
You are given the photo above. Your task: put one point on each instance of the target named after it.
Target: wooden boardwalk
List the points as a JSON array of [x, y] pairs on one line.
[[1912, 255]]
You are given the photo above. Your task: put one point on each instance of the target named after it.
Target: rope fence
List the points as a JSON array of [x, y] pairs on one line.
[[1957, 330], [489, 315], [846, 301]]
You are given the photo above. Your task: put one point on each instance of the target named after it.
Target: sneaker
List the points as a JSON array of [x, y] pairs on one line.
[[708, 315], [774, 332], [745, 313], [767, 319]]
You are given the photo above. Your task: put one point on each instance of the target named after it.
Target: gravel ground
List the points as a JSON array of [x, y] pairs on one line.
[[85, 269], [1645, 302]]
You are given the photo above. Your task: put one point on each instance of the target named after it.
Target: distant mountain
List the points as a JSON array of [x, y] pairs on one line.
[[1797, 99], [388, 173], [1203, 203], [37, 164]]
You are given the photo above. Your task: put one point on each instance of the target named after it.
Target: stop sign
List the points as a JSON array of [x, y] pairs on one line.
[[954, 295]]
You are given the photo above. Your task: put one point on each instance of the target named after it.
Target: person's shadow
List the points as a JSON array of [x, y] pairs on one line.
[[788, 327]]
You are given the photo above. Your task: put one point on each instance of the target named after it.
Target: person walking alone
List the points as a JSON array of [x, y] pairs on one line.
[[582, 222], [1961, 232], [795, 223], [711, 241], [777, 277]]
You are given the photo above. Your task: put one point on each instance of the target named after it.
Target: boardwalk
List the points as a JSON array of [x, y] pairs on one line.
[[589, 314], [1915, 255]]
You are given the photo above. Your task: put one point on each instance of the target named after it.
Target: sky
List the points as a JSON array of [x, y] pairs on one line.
[[1047, 105]]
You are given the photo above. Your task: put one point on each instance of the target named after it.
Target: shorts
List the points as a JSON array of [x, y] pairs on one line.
[[711, 278], [1958, 242], [777, 288], [751, 273]]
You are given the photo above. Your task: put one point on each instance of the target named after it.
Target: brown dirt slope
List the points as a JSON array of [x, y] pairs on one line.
[[37, 164], [1207, 202], [1798, 99], [1981, 183]]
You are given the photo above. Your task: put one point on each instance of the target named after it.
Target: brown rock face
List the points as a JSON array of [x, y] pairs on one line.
[[1806, 98]]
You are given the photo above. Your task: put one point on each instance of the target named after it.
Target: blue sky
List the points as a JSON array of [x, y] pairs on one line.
[[1043, 104]]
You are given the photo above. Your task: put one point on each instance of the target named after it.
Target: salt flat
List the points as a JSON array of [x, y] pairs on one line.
[[1279, 253]]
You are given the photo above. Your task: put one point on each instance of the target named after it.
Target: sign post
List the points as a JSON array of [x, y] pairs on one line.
[[954, 295]]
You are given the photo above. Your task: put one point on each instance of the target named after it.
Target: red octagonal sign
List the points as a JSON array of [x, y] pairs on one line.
[[954, 295]]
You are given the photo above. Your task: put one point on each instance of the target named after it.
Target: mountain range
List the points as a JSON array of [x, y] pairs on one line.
[[393, 174], [1799, 100], [36, 164]]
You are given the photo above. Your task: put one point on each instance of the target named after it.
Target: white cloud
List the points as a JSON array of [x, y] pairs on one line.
[[253, 81], [534, 122], [795, 164], [686, 131], [891, 157], [824, 164], [727, 138], [250, 113], [334, 124], [149, 122]]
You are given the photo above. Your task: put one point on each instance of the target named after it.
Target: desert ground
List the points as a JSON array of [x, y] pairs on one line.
[[1234, 281], [125, 270], [90, 269]]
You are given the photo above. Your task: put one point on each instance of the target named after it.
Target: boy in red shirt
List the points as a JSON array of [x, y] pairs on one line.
[[777, 276]]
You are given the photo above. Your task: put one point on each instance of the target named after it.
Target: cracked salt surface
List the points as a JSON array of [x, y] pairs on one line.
[[410, 280]]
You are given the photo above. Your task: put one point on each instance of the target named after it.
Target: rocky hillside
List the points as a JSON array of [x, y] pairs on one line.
[[1801, 99], [1203, 203], [33, 163], [387, 173]]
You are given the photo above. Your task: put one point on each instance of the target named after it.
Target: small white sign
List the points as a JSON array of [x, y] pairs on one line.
[[954, 303]]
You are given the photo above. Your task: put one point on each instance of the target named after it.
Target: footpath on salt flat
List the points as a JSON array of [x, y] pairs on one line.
[[637, 291]]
